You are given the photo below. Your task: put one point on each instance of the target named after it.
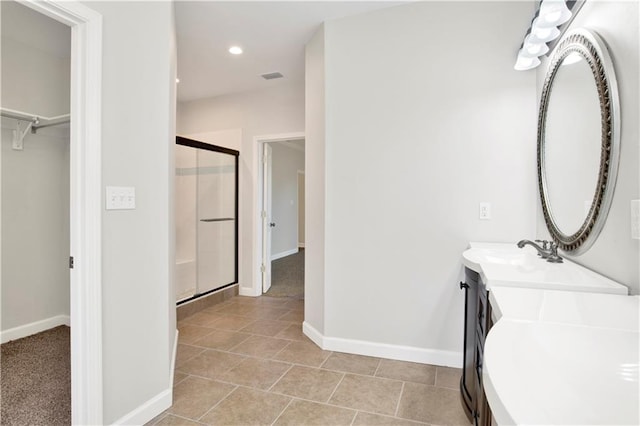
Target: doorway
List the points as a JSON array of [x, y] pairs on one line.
[[84, 189], [35, 218], [283, 251]]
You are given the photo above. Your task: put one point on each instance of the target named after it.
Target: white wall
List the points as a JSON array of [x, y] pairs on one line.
[[315, 176], [34, 80], [35, 185], [35, 228], [425, 118], [284, 196], [267, 112], [615, 254], [138, 109]]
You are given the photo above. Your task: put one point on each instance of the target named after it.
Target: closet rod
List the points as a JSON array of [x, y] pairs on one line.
[[38, 121]]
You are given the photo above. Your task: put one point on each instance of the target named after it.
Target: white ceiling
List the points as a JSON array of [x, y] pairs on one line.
[[272, 34]]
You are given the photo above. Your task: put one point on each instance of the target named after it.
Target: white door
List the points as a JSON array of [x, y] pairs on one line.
[[267, 223]]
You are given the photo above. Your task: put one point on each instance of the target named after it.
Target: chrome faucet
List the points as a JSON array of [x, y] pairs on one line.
[[548, 251]]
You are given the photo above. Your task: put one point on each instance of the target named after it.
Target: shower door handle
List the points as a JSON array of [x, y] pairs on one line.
[[220, 219]]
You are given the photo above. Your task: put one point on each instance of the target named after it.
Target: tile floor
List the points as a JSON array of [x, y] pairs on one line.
[[246, 362]]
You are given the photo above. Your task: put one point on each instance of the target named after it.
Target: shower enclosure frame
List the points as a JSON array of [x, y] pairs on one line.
[[215, 148]]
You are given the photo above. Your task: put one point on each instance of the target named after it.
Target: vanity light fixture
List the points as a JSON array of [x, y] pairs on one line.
[[544, 29], [235, 50]]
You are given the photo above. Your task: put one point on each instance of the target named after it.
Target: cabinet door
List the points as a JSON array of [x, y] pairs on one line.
[[468, 382], [484, 323]]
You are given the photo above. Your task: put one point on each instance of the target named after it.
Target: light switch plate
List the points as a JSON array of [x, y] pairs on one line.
[[635, 219], [120, 198]]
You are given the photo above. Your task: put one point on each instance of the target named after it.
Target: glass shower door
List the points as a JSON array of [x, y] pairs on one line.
[[206, 218], [216, 220]]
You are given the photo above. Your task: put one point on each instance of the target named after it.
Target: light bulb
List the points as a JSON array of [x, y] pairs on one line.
[[536, 49], [553, 13], [531, 49], [543, 34], [524, 63], [235, 50]]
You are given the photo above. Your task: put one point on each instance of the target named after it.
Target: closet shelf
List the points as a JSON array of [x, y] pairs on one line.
[[33, 123]]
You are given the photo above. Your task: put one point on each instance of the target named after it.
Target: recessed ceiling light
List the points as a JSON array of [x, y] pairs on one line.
[[235, 50]]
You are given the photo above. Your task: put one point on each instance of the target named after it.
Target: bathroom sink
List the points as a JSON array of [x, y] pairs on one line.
[[574, 360], [501, 254], [503, 264]]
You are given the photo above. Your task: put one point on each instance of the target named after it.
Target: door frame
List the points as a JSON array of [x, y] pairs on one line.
[[301, 173], [267, 215], [85, 204], [258, 150]]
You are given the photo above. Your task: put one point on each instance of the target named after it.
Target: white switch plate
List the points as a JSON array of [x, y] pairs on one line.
[[635, 219], [485, 211], [120, 198]]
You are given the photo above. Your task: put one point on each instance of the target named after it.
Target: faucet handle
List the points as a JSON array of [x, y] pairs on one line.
[[553, 255], [545, 244]]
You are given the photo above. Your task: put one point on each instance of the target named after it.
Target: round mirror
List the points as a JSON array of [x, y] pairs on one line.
[[578, 141]]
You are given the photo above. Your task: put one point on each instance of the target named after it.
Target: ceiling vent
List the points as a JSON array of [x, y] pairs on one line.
[[272, 75]]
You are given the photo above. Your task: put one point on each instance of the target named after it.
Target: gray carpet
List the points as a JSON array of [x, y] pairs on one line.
[[287, 276], [35, 379]]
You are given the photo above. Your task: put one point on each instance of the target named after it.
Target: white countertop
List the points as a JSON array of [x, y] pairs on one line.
[[504, 264], [556, 357]]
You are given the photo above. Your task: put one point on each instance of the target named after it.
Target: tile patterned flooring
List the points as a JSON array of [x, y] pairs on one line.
[[245, 361]]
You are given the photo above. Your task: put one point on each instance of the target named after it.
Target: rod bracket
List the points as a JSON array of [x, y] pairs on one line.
[[19, 134]]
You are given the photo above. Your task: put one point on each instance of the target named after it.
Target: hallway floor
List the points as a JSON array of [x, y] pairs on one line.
[[287, 276], [246, 361]]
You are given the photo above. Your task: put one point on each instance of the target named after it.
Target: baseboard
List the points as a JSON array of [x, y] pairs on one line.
[[300, 245], [192, 306], [284, 254], [34, 328], [313, 334], [384, 350], [250, 291], [148, 410], [173, 359]]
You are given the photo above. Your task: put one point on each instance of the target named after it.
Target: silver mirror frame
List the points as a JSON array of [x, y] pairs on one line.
[[593, 49]]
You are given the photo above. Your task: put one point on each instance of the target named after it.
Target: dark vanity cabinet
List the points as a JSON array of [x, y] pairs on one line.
[[477, 322]]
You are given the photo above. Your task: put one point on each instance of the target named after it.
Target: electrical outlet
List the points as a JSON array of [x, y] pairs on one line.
[[635, 219], [485, 211]]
